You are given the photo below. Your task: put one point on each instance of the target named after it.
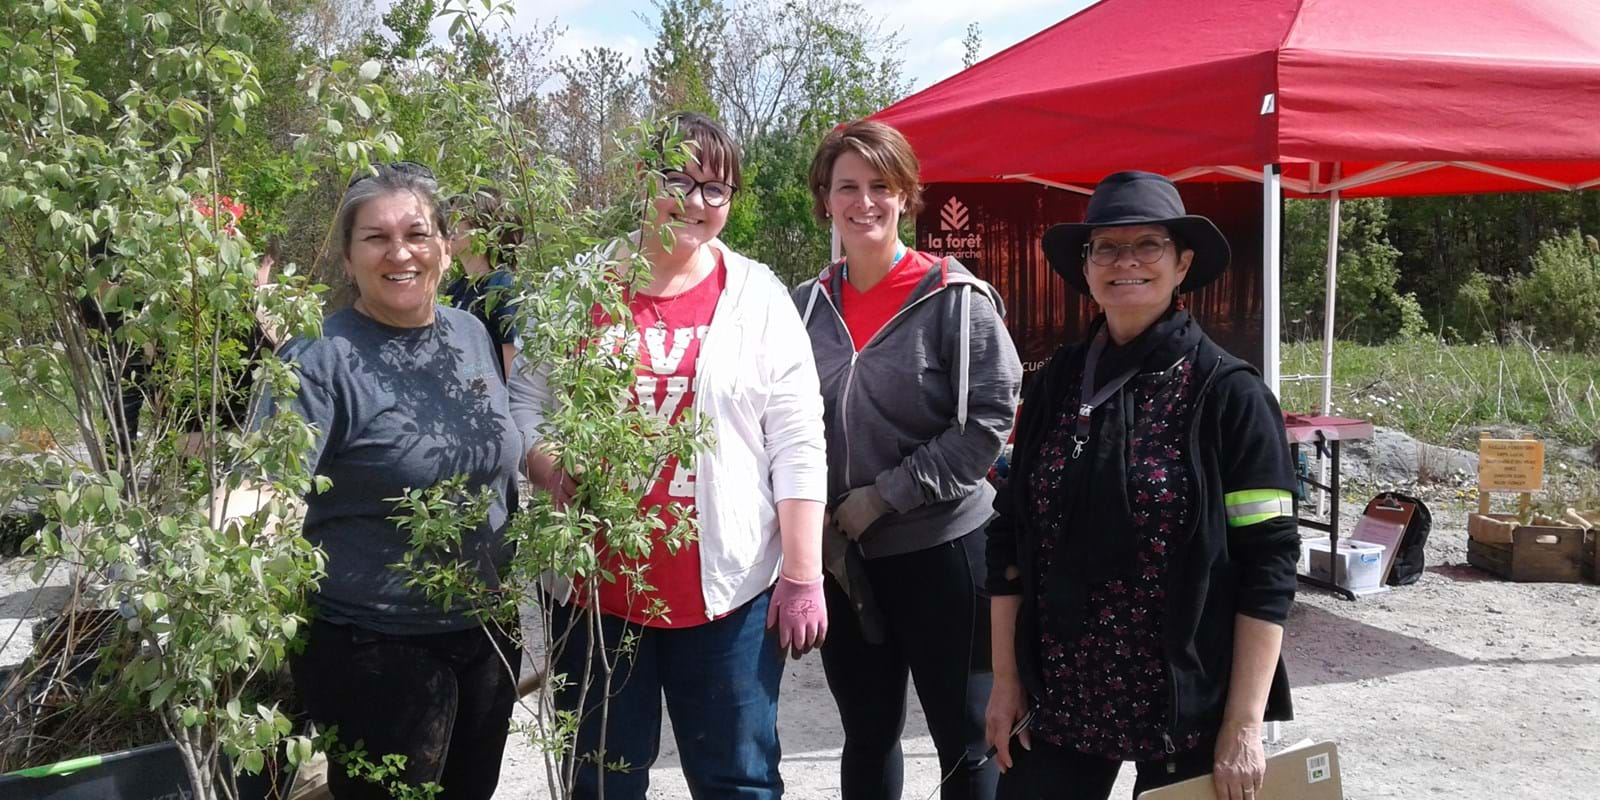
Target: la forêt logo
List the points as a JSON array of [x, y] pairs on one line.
[[955, 236], [953, 215]]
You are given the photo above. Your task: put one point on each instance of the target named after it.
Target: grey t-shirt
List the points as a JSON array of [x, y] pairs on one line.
[[399, 409]]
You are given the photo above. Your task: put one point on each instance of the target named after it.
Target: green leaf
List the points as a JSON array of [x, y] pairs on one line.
[[162, 691], [361, 107], [370, 70], [153, 601], [252, 761], [178, 117]]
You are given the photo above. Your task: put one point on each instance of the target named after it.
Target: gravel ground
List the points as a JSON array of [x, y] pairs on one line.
[[1458, 686]]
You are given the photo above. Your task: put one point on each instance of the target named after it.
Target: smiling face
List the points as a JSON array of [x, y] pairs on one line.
[[396, 257], [865, 209], [694, 223], [1127, 284]]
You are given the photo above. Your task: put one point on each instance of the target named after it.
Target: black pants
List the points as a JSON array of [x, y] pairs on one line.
[[936, 623], [1059, 773], [442, 700]]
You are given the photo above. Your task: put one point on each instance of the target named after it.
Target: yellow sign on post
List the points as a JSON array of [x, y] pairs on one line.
[[1510, 465]]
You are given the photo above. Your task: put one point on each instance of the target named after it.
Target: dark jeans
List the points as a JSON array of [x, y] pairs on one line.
[[1048, 772], [442, 700], [720, 681], [936, 629]]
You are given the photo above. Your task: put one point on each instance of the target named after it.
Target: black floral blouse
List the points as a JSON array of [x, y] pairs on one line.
[[1107, 690]]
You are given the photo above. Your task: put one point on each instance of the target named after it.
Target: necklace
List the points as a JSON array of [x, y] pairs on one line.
[[670, 296]]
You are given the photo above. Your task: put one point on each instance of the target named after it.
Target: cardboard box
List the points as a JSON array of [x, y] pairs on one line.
[[1309, 772], [1535, 553]]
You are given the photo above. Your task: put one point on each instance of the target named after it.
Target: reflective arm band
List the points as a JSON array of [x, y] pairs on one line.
[[1257, 505]]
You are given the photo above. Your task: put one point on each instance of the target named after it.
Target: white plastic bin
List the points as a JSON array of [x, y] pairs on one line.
[[1306, 543], [1360, 563]]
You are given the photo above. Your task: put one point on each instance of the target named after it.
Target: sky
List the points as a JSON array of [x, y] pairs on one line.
[[930, 30]]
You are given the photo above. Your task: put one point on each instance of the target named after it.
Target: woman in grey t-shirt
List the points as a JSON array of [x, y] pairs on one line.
[[404, 394]]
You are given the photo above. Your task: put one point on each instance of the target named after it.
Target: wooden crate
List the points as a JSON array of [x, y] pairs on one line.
[[1548, 554], [1591, 560]]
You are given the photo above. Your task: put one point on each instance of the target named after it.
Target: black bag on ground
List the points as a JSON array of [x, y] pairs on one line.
[[1408, 558]]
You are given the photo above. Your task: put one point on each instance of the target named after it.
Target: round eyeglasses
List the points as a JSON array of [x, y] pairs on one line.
[[714, 193], [1145, 249]]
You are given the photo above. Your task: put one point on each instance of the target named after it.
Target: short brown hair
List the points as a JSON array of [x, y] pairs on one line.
[[485, 210], [879, 145], [713, 147]]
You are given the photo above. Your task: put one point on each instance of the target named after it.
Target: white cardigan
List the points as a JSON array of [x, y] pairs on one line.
[[757, 385]]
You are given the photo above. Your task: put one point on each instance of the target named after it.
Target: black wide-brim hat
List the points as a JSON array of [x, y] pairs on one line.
[[1138, 198]]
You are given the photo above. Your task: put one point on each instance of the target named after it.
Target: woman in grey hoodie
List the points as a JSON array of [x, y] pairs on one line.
[[919, 384]]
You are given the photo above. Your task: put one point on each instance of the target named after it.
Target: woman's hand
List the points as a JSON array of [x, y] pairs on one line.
[[1241, 763], [544, 474], [1007, 703], [799, 613]]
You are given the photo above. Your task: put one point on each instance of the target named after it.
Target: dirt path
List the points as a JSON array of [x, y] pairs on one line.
[[1459, 686]]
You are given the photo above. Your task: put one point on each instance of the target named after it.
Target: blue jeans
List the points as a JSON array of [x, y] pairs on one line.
[[720, 681]]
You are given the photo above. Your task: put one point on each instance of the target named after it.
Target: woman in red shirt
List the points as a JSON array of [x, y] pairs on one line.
[[919, 386]]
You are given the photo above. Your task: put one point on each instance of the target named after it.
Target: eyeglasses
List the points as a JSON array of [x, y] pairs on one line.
[[403, 167], [1146, 250], [715, 193]]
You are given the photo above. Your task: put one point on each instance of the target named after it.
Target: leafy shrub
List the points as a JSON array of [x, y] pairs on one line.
[[1561, 298]]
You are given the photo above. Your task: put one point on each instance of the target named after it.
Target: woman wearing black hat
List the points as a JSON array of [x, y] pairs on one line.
[[1142, 563]]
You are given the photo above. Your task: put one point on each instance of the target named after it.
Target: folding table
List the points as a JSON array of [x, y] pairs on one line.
[[1325, 433]]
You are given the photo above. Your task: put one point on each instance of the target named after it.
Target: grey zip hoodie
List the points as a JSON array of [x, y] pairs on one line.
[[923, 410]]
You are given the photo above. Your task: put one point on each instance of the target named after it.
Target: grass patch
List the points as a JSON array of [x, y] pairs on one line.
[[1445, 394]]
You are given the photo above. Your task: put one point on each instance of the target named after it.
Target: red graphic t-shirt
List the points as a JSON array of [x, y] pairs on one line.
[[670, 330], [865, 313]]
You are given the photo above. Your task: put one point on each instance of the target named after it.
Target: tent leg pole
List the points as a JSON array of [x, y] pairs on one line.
[[1271, 258], [1330, 301], [835, 249]]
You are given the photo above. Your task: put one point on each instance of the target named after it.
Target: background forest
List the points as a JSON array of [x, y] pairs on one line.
[[1513, 271]]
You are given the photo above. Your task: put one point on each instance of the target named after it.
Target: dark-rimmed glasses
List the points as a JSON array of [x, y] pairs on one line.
[[403, 167], [1145, 249], [715, 193]]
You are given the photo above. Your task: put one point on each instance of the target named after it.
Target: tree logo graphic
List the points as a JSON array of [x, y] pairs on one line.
[[953, 216]]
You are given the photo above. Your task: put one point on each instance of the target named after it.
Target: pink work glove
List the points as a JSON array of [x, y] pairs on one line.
[[800, 613]]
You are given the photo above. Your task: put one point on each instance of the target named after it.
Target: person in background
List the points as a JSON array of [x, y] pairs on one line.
[[403, 393], [919, 383], [1143, 558], [486, 286], [719, 336]]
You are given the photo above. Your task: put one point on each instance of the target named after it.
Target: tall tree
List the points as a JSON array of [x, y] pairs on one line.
[[971, 45], [785, 65], [678, 67], [600, 96]]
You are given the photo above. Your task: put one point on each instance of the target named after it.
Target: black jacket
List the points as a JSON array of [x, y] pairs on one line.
[[1236, 443]]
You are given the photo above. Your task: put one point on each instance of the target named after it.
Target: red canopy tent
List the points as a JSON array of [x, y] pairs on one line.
[[1309, 97]]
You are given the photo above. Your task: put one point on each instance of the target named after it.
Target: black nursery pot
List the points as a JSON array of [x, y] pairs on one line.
[[152, 772]]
